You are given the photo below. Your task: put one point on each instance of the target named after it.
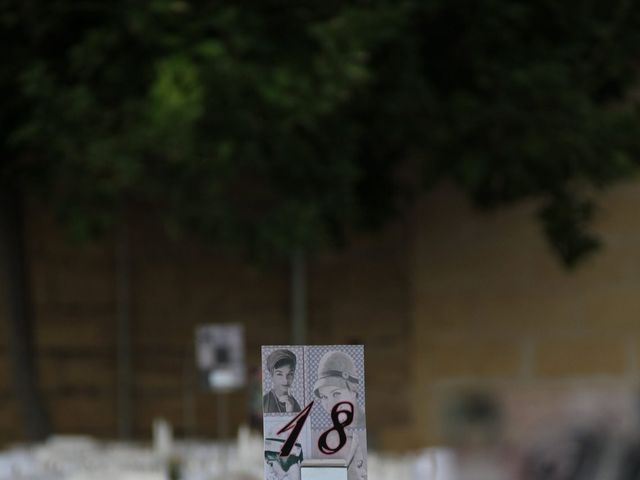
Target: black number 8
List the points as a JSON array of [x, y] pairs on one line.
[[338, 426]]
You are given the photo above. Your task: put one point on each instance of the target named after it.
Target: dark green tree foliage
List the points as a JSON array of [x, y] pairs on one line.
[[275, 125], [533, 99]]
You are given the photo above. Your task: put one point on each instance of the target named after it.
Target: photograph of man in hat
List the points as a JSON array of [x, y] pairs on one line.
[[337, 382], [281, 365]]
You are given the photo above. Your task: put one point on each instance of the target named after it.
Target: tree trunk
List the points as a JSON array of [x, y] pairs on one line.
[[14, 269], [123, 334]]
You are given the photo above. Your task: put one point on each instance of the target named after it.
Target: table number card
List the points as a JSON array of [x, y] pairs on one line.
[[314, 412]]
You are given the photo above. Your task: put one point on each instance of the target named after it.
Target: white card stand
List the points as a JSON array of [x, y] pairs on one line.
[[324, 469]]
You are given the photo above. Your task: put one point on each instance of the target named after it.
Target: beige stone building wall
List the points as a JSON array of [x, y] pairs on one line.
[[357, 294], [444, 299], [492, 309]]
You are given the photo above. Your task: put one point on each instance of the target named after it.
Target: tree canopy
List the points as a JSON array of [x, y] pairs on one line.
[[276, 125]]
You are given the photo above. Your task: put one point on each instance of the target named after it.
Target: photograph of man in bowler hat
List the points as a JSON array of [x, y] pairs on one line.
[[337, 382], [281, 365]]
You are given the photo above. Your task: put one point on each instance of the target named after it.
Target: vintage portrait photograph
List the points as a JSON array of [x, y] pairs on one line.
[[283, 391], [335, 375]]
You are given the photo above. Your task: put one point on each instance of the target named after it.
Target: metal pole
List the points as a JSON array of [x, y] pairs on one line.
[[223, 418], [298, 297], [123, 318], [223, 414], [189, 394]]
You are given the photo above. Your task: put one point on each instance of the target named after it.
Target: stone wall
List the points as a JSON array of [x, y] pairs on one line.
[[494, 310], [444, 299], [357, 294]]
